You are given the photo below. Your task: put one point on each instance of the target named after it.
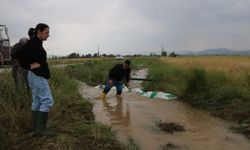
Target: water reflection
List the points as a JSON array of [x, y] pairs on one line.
[[118, 112]]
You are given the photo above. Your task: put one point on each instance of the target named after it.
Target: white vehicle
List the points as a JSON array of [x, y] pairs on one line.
[[119, 57]]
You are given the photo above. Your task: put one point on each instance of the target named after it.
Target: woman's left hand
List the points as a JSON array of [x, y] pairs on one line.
[[34, 65]]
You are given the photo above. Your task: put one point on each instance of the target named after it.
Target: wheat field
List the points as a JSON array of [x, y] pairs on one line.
[[229, 64]]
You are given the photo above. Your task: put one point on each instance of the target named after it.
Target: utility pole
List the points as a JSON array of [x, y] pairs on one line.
[[162, 48], [98, 52]]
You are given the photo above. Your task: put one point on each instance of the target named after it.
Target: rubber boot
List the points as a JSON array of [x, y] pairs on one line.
[[34, 117], [103, 96], [41, 129]]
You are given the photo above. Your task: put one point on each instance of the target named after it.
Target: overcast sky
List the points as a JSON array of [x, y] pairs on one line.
[[131, 26]]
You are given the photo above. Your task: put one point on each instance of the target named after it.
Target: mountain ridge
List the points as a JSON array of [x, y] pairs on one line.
[[214, 51]]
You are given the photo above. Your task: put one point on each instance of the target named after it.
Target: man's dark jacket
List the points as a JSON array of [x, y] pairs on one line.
[[118, 73]]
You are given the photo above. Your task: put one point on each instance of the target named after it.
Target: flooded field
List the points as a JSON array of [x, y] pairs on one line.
[[137, 117]]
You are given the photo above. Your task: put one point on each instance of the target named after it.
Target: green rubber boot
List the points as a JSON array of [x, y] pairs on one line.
[[34, 117], [41, 129]]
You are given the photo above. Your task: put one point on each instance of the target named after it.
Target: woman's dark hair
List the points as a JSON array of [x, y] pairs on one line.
[[33, 31]]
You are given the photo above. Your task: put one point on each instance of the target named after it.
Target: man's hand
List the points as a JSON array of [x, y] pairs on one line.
[[34, 65], [127, 84]]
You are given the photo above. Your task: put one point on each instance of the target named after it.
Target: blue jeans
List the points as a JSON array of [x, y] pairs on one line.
[[41, 95], [117, 84]]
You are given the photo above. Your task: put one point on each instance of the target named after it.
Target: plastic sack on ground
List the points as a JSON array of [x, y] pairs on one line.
[[165, 96], [137, 91], [154, 94], [149, 94]]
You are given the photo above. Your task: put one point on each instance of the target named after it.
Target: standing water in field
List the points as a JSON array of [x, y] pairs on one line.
[[138, 117]]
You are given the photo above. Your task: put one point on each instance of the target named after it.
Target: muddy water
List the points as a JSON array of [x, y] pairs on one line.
[[137, 117]]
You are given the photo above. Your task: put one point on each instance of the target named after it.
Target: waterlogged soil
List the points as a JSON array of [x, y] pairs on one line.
[[138, 117]]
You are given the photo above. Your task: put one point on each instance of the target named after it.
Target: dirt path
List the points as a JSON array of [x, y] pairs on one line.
[[137, 116]]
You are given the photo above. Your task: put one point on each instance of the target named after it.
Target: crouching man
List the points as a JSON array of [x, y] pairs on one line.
[[115, 77]]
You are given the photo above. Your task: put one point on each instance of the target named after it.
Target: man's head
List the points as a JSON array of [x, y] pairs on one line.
[[42, 31], [126, 64]]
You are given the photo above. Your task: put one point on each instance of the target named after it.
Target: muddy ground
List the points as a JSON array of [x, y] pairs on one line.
[[138, 117]]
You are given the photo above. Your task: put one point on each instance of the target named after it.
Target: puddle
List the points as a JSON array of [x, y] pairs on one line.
[[137, 116]]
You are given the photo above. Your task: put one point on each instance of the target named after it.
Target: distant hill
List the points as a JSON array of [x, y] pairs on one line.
[[218, 51]]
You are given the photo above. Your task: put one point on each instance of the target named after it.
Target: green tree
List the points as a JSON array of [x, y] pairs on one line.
[[164, 53], [73, 55], [173, 54]]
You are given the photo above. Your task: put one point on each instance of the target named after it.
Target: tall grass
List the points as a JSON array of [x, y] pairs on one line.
[[218, 84], [223, 90], [170, 79], [12, 109], [66, 61], [229, 64], [93, 72], [71, 119]]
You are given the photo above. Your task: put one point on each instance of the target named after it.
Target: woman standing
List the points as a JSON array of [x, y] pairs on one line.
[[33, 57]]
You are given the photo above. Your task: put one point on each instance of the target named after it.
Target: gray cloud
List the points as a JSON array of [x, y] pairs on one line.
[[131, 26]]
